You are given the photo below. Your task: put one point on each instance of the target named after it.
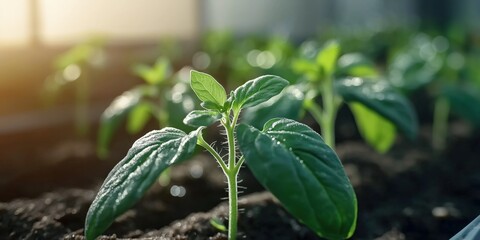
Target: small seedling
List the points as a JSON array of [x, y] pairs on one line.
[[288, 158], [328, 82], [75, 68], [164, 96], [438, 65]]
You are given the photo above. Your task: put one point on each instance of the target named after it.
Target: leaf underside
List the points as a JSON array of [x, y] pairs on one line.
[[199, 118], [376, 130], [381, 98], [132, 176], [113, 116], [293, 162]]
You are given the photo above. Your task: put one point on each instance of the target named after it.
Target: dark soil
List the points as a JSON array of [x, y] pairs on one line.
[[409, 193]]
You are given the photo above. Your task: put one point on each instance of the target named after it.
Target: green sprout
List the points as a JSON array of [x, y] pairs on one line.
[[288, 158], [329, 80]]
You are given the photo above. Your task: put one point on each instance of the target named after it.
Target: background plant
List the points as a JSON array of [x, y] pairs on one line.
[[329, 79], [164, 96], [288, 158], [440, 66], [75, 68]]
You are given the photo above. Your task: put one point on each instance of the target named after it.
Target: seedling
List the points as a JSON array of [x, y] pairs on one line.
[[377, 107], [75, 68], [164, 96], [288, 158], [439, 65]]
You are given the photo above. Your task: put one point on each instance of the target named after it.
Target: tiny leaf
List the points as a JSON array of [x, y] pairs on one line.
[[155, 74], [328, 56], [293, 162], [257, 91], [199, 118], [207, 88], [356, 65], [383, 99], [132, 176], [377, 131]]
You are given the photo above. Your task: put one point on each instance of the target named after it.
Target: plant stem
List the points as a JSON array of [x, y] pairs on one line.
[[233, 203], [231, 170], [232, 176], [325, 116], [327, 123], [81, 109], [440, 123], [214, 153]]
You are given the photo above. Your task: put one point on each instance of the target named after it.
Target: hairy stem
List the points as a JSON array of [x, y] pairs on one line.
[[212, 151], [230, 169], [440, 123], [232, 176], [233, 203]]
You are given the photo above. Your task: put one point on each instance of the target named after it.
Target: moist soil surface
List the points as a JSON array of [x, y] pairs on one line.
[[408, 193]]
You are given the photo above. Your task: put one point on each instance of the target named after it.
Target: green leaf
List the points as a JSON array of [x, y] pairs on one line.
[[307, 68], [155, 74], [470, 232], [465, 102], [207, 88], [113, 116], [408, 71], [328, 56], [381, 98], [257, 91], [138, 117], [198, 118], [293, 162], [356, 65], [377, 131], [288, 104], [132, 176]]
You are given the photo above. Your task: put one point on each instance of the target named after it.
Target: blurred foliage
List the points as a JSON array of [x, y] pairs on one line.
[[165, 96], [444, 64], [74, 69]]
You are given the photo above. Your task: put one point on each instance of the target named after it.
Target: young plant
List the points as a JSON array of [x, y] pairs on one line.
[[75, 68], [288, 158], [164, 96], [439, 65], [328, 82]]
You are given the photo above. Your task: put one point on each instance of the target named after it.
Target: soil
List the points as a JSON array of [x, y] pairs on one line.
[[408, 193]]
